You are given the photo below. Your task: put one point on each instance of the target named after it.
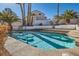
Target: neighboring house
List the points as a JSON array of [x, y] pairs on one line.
[[17, 23], [39, 18], [72, 21]]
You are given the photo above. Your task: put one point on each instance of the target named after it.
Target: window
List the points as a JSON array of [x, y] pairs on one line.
[[39, 13]]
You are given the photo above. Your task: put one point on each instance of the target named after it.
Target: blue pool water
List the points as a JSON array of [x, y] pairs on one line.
[[45, 40]]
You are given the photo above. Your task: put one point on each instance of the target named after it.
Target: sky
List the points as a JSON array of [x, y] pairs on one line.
[[49, 9]]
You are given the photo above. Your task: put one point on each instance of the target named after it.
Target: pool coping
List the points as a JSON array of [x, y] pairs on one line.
[[18, 48]]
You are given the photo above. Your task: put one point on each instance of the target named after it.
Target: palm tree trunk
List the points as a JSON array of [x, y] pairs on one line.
[[32, 20], [57, 14], [24, 21], [10, 25], [68, 21], [22, 6], [57, 9], [10, 28], [29, 14]]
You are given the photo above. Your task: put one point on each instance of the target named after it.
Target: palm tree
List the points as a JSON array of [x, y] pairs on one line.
[[58, 7], [29, 20], [7, 15], [22, 7], [68, 15], [57, 17]]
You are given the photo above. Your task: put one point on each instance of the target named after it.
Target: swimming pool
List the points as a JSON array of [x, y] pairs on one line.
[[45, 40]]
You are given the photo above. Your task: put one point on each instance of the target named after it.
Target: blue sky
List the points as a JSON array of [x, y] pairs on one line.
[[48, 8]]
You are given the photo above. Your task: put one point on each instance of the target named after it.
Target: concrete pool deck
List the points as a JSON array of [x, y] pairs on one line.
[[18, 48]]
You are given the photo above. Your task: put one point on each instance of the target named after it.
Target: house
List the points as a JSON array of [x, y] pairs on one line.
[[39, 18]]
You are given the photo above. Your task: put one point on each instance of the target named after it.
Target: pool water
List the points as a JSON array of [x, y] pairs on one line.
[[45, 40]]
